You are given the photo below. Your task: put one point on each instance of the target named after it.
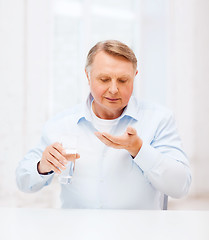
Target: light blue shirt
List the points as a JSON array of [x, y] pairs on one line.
[[110, 178]]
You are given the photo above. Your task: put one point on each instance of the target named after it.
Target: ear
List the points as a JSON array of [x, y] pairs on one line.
[[87, 75]]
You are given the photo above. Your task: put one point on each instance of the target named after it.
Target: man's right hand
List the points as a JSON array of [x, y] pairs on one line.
[[54, 159]]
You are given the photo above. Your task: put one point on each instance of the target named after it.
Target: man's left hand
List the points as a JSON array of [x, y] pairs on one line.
[[129, 140]]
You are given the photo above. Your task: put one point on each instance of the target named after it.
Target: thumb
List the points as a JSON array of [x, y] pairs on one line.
[[131, 131]]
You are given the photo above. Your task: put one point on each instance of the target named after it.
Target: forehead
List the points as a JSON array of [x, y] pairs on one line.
[[106, 63]]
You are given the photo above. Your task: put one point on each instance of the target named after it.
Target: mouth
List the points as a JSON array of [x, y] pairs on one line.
[[112, 99]]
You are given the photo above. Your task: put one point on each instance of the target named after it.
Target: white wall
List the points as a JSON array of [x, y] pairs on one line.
[[24, 93], [189, 85], [153, 17], [38, 65], [201, 96], [11, 93]]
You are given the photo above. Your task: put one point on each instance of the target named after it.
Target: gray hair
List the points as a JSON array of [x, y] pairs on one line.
[[114, 48]]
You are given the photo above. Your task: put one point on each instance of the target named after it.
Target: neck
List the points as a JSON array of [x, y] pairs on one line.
[[106, 114]]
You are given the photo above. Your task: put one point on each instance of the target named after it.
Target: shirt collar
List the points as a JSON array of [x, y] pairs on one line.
[[85, 109], [131, 109]]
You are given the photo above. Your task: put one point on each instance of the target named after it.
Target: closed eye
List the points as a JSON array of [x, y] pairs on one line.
[[104, 79], [122, 80]]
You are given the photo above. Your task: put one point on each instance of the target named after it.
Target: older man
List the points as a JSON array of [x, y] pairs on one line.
[[129, 152]]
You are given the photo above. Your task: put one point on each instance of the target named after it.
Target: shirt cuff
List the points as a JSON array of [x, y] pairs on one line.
[[36, 176], [43, 174], [147, 157]]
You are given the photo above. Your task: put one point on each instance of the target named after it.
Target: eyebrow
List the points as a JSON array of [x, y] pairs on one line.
[[103, 75], [107, 76]]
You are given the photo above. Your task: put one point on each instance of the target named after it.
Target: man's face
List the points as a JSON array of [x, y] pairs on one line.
[[111, 81]]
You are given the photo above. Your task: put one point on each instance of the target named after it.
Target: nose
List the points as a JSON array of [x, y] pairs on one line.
[[113, 89]]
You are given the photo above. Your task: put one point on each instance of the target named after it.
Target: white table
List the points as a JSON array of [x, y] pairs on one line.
[[59, 224]]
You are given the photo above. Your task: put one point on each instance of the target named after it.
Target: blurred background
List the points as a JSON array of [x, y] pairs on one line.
[[43, 47]]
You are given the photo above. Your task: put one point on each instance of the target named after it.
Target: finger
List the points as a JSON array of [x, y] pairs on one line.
[[53, 167], [56, 154], [107, 141], [59, 147], [72, 157], [120, 140], [53, 160], [99, 135], [131, 131], [105, 136]]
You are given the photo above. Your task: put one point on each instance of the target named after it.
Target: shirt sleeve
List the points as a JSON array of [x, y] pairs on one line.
[[163, 161], [27, 176]]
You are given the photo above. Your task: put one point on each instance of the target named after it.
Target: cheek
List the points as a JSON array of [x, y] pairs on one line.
[[126, 92], [97, 90]]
